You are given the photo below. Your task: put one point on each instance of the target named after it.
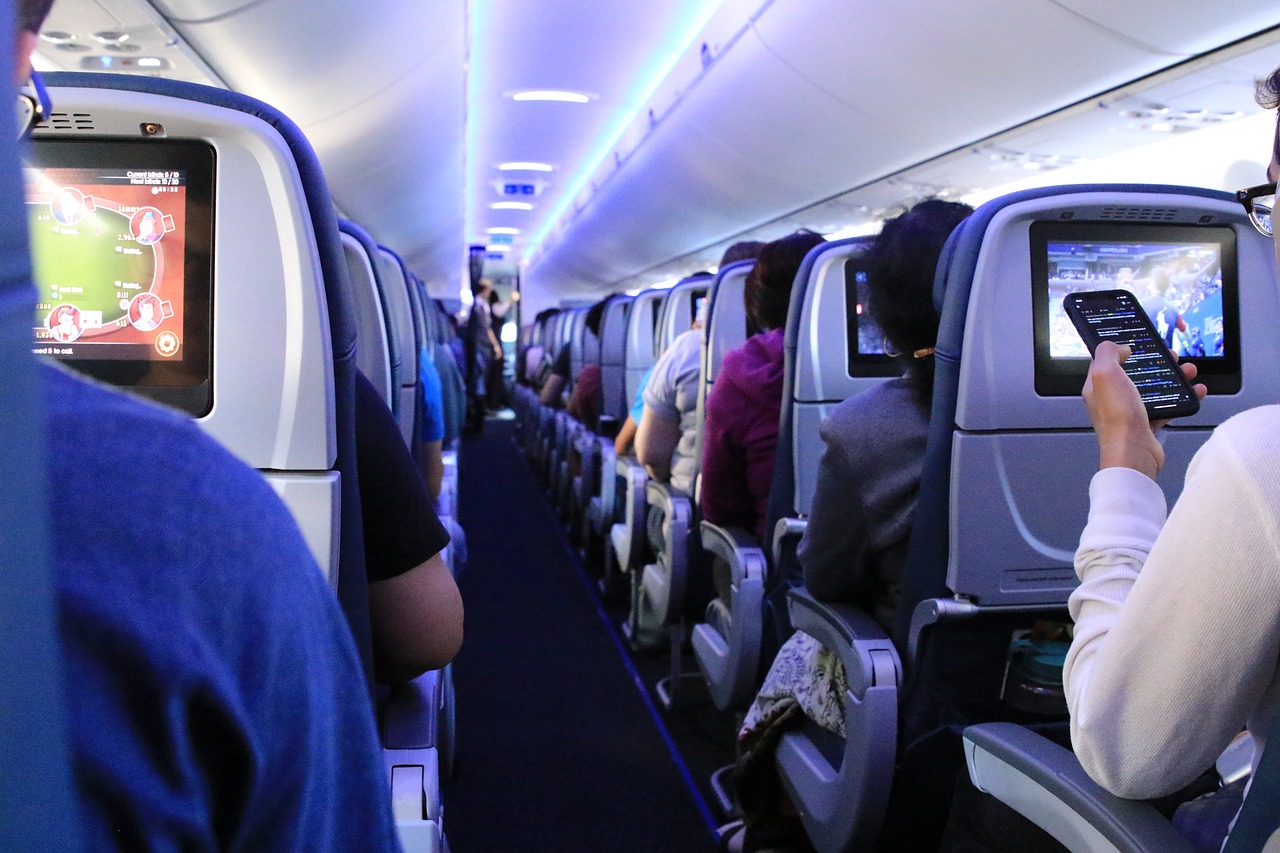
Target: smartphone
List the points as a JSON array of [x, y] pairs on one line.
[[1116, 315]]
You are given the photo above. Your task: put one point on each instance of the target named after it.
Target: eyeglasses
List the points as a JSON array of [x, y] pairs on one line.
[[1258, 202], [33, 105]]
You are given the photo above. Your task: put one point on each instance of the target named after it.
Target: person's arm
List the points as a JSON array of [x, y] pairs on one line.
[[623, 440], [493, 341], [552, 389], [656, 440], [431, 463], [417, 621], [1177, 622], [726, 498]]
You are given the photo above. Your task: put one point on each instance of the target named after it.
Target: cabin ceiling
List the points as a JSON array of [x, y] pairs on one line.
[[708, 120]]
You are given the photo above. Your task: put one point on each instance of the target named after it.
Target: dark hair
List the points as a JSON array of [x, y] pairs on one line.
[[595, 314], [1267, 94], [546, 314], [31, 14], [767, 290], [743, 250], [900, 271]]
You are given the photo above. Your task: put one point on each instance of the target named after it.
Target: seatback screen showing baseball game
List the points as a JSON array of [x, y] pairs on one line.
[[122, 247], [1184, 276]]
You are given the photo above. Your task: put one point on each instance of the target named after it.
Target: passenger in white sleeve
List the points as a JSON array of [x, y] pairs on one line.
[[1177, 636]]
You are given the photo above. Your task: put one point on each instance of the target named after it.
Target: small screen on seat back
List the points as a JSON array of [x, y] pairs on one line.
[[1184, 277], [866, 344], [121, 240]]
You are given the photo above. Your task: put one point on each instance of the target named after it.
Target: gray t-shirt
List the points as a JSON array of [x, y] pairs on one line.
[[672, 393]]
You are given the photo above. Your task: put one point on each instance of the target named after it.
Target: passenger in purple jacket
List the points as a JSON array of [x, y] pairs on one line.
[[740, 433]]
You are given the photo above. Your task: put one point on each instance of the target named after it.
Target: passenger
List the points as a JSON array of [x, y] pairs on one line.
[[743, 408], [666, 434], [626, 436], [481, 347], [855, 546], [214, 695], [415, 611], [431, 434], [583, 402], [535, 356], [496, 389], [1177, 618]]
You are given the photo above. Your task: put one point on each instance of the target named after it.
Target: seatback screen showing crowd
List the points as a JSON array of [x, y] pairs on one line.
[[122, 239], [866, 343], [1185, 277]]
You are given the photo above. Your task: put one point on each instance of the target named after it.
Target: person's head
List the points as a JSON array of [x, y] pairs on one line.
[[30, 17], [546, 314], [481, 289], [743, 250], [900, 278], [595, 315], [767, 290], [494, 298]]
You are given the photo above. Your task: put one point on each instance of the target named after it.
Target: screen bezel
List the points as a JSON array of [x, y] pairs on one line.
[[861, 364], [185, 384], [1064, 377]]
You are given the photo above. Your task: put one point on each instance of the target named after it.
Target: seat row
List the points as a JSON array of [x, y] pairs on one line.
[[1003, 499]]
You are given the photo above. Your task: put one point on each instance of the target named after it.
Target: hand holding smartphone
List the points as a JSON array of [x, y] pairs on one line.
[[1116, 315]]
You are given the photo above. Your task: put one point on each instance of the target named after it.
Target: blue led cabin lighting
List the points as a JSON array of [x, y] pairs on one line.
[[699, 16]]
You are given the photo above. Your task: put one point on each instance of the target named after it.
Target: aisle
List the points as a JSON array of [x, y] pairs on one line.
[[557, 750]]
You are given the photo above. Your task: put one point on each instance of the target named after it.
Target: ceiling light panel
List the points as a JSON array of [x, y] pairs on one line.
[[561, 95], [564, 45], [524, 166]]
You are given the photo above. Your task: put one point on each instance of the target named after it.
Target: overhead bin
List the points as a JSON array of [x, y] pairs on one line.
[[849, 93], [382, 117]]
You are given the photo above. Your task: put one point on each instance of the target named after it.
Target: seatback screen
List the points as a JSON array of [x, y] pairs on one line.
[[121, 240], [866, 344], [1184, 277]]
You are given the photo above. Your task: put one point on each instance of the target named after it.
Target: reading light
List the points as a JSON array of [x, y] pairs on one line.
[[502, 230], [511, 205], [562, 95], [524, 167]]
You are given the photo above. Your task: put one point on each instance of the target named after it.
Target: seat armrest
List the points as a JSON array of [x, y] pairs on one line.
[[869, 656], [843, 806], [736, 546], [1046, 784], [787, 530], [411, 713], [665, 496]]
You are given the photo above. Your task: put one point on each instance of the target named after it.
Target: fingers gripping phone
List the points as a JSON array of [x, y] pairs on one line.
[[1117, 316]]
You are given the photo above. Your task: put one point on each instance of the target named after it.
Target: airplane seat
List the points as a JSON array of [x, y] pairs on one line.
[[281, 332], [739, 637], [725, 328], [599, 485], [373, 355], [658, 589], [406, 339], [577, 433], [627, 546], [1004, 490], [662, 592]]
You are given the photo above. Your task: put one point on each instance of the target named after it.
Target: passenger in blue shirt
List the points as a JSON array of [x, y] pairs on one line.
[[431, 437], [214, 697]]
